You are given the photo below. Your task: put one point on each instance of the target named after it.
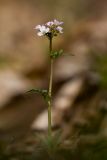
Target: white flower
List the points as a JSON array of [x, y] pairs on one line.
[[59, 29], [50, 23], [42, 30], [53, 28], [57, 23], [38, 27]]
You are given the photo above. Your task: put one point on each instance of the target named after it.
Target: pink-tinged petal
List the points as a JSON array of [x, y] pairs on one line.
[[56, 22], [61, 23], [60, 29], [49, 27], [49, 23]]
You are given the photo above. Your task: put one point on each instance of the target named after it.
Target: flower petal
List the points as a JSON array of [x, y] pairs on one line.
[[47, 30], [53, 27], [50, 23], [38, 27], [60, 29], [40, 34], [56, 22]]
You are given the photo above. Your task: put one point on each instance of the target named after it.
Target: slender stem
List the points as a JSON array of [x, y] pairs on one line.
[[50, 91]]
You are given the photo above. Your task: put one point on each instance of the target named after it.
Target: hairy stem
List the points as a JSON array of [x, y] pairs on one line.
[[50, 91]]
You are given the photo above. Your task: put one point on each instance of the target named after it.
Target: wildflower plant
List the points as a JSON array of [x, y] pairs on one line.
[[50, 30]]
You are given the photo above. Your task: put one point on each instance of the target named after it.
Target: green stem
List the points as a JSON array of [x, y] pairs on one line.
[[50, 91]]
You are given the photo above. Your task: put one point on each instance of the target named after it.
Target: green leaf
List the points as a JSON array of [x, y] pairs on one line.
[[43, 92], [56, 54]]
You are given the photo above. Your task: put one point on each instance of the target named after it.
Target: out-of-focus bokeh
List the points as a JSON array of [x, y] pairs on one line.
[[80, 75]]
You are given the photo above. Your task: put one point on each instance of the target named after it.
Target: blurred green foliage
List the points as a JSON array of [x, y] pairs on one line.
[[85, 150]]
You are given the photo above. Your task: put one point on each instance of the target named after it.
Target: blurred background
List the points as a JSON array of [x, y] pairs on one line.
[[80, 75]]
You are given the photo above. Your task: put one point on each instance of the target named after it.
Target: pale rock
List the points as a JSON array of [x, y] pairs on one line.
[[64, 100], [11, 84], [67, 94], [41, 122]]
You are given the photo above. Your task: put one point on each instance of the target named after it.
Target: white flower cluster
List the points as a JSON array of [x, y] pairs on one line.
[[50, 29]]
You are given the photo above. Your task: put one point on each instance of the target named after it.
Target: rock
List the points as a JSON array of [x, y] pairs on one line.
[[11, 84]]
